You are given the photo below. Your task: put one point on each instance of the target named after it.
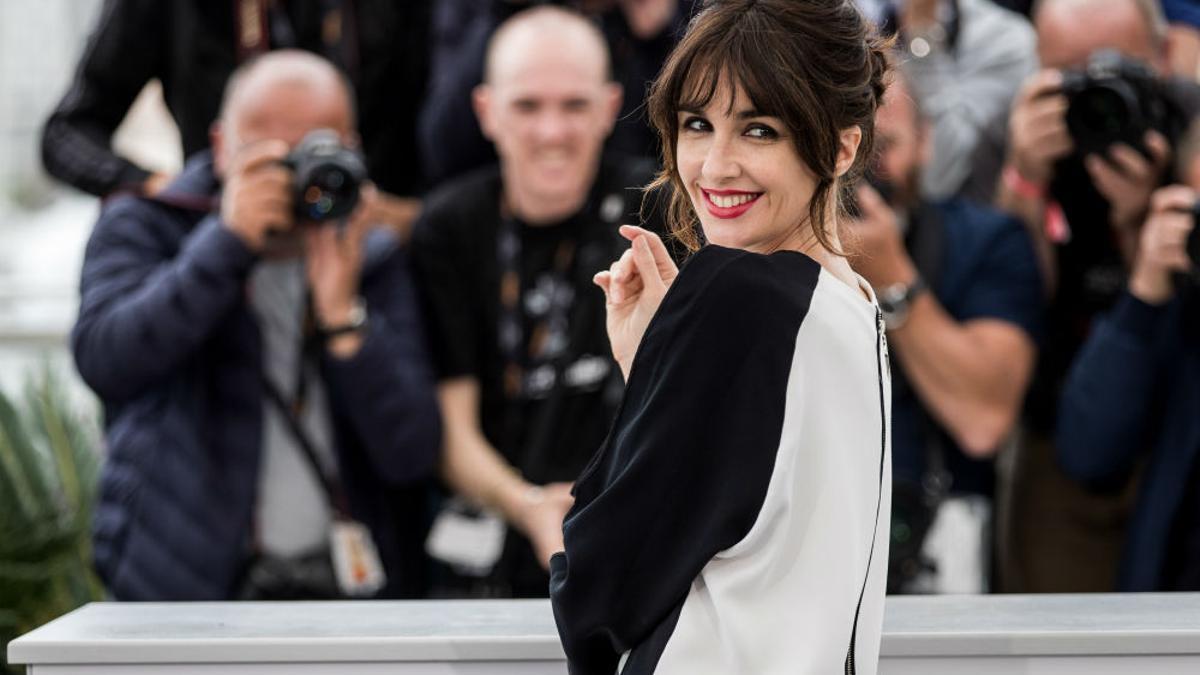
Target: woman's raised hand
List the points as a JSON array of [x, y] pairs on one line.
[[634, 287]]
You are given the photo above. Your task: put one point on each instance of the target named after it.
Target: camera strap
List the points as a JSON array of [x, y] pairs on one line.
[[263, 25], [331, 486], [357, 567]]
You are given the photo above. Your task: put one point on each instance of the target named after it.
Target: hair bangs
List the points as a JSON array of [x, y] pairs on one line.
[[736, 64]]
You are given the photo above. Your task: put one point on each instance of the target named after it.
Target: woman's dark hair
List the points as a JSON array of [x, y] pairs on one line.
[[815, 64]]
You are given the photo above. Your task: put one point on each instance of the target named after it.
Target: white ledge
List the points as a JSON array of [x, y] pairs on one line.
[[523, 630]]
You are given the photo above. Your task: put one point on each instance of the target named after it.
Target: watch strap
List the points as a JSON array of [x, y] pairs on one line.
[[356, 322]]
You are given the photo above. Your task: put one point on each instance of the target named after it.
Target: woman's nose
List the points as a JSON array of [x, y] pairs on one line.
[[720, 162]]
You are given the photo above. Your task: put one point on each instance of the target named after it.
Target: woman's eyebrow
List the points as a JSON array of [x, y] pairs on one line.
[[750, 113]]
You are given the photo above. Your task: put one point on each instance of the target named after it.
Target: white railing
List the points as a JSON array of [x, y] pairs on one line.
[[972, 635]]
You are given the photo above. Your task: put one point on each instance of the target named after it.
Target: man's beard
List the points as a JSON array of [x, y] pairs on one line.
[[901, 195]]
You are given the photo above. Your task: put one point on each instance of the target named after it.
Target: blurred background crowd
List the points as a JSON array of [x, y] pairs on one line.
[[313, 279]]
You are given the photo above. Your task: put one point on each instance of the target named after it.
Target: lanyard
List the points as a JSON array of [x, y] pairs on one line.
[[292, 413], [529, 359], [262, 25]]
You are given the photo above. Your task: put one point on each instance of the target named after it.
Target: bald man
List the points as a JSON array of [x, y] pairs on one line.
[[1085, 213], [268, 398], [639, 33], [505, 258]]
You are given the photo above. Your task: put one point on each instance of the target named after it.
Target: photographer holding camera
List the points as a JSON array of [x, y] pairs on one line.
[[1132, 396], [192, 46], [1091, 137], [269, 404], [961, 297]]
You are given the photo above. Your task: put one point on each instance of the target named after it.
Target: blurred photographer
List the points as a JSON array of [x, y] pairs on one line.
[[965, 60], [192, 47], [261, 363], [1092, 136], [959, 288], [1132, 395]]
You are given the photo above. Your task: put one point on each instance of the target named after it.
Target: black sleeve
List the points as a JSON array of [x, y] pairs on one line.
[[685, 470], [444, 275], [451, 142], [121, 56]]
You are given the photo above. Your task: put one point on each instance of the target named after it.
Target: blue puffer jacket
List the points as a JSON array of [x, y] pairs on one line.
[[166, 339]]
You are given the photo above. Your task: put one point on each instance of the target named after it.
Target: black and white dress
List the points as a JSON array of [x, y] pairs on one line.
[[736, 519]]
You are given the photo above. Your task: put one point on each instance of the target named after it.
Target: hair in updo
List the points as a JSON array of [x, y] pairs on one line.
[[817, 65]]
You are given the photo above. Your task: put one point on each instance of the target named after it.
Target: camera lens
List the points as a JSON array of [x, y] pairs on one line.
[[328, 177], [1102, 112], [1102, 115]]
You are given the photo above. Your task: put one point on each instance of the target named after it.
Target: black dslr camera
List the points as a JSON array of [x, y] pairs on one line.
[[1116, 99], [327, 177]]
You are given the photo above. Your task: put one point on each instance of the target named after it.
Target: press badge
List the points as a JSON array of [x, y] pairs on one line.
[[355, 560], [467, 539]]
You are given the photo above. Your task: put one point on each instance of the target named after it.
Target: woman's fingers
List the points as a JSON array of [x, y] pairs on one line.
[[603, 280], [624, 266], [628, 289], [662, 257], [647, 266]]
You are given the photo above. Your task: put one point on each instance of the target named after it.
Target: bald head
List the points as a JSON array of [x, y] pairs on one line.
[[256, 81], [282, 95], [1071, 30], [533, 34], [547, 103]]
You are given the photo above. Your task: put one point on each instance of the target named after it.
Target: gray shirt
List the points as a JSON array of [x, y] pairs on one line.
[[293, 512], [966, 95]]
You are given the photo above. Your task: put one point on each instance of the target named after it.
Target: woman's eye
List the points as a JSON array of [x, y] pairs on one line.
[[761, 131], [695, 124]]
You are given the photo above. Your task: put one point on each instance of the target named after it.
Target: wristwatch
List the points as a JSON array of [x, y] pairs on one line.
[[895, 301], [355, 322]]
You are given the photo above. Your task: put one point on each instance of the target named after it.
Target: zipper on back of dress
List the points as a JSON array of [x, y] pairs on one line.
[[881, 353]]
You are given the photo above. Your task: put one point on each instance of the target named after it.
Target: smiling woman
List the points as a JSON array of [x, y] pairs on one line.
[[731, 523], [769, 97]]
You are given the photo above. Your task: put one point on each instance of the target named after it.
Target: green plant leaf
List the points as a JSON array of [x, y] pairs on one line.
[[48, 481]]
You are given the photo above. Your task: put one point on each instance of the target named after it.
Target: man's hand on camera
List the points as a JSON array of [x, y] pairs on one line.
[[1127, 178], [1162, 248], [256, 198], [880, 255], [1037, 128], [333, 257]]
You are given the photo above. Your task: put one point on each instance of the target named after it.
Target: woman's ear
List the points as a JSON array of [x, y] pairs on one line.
[[848, 140]]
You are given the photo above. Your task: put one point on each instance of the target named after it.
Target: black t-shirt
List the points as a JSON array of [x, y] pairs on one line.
[[547, 404]]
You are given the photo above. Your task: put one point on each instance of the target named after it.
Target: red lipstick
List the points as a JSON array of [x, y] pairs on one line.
[[742, 201]]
